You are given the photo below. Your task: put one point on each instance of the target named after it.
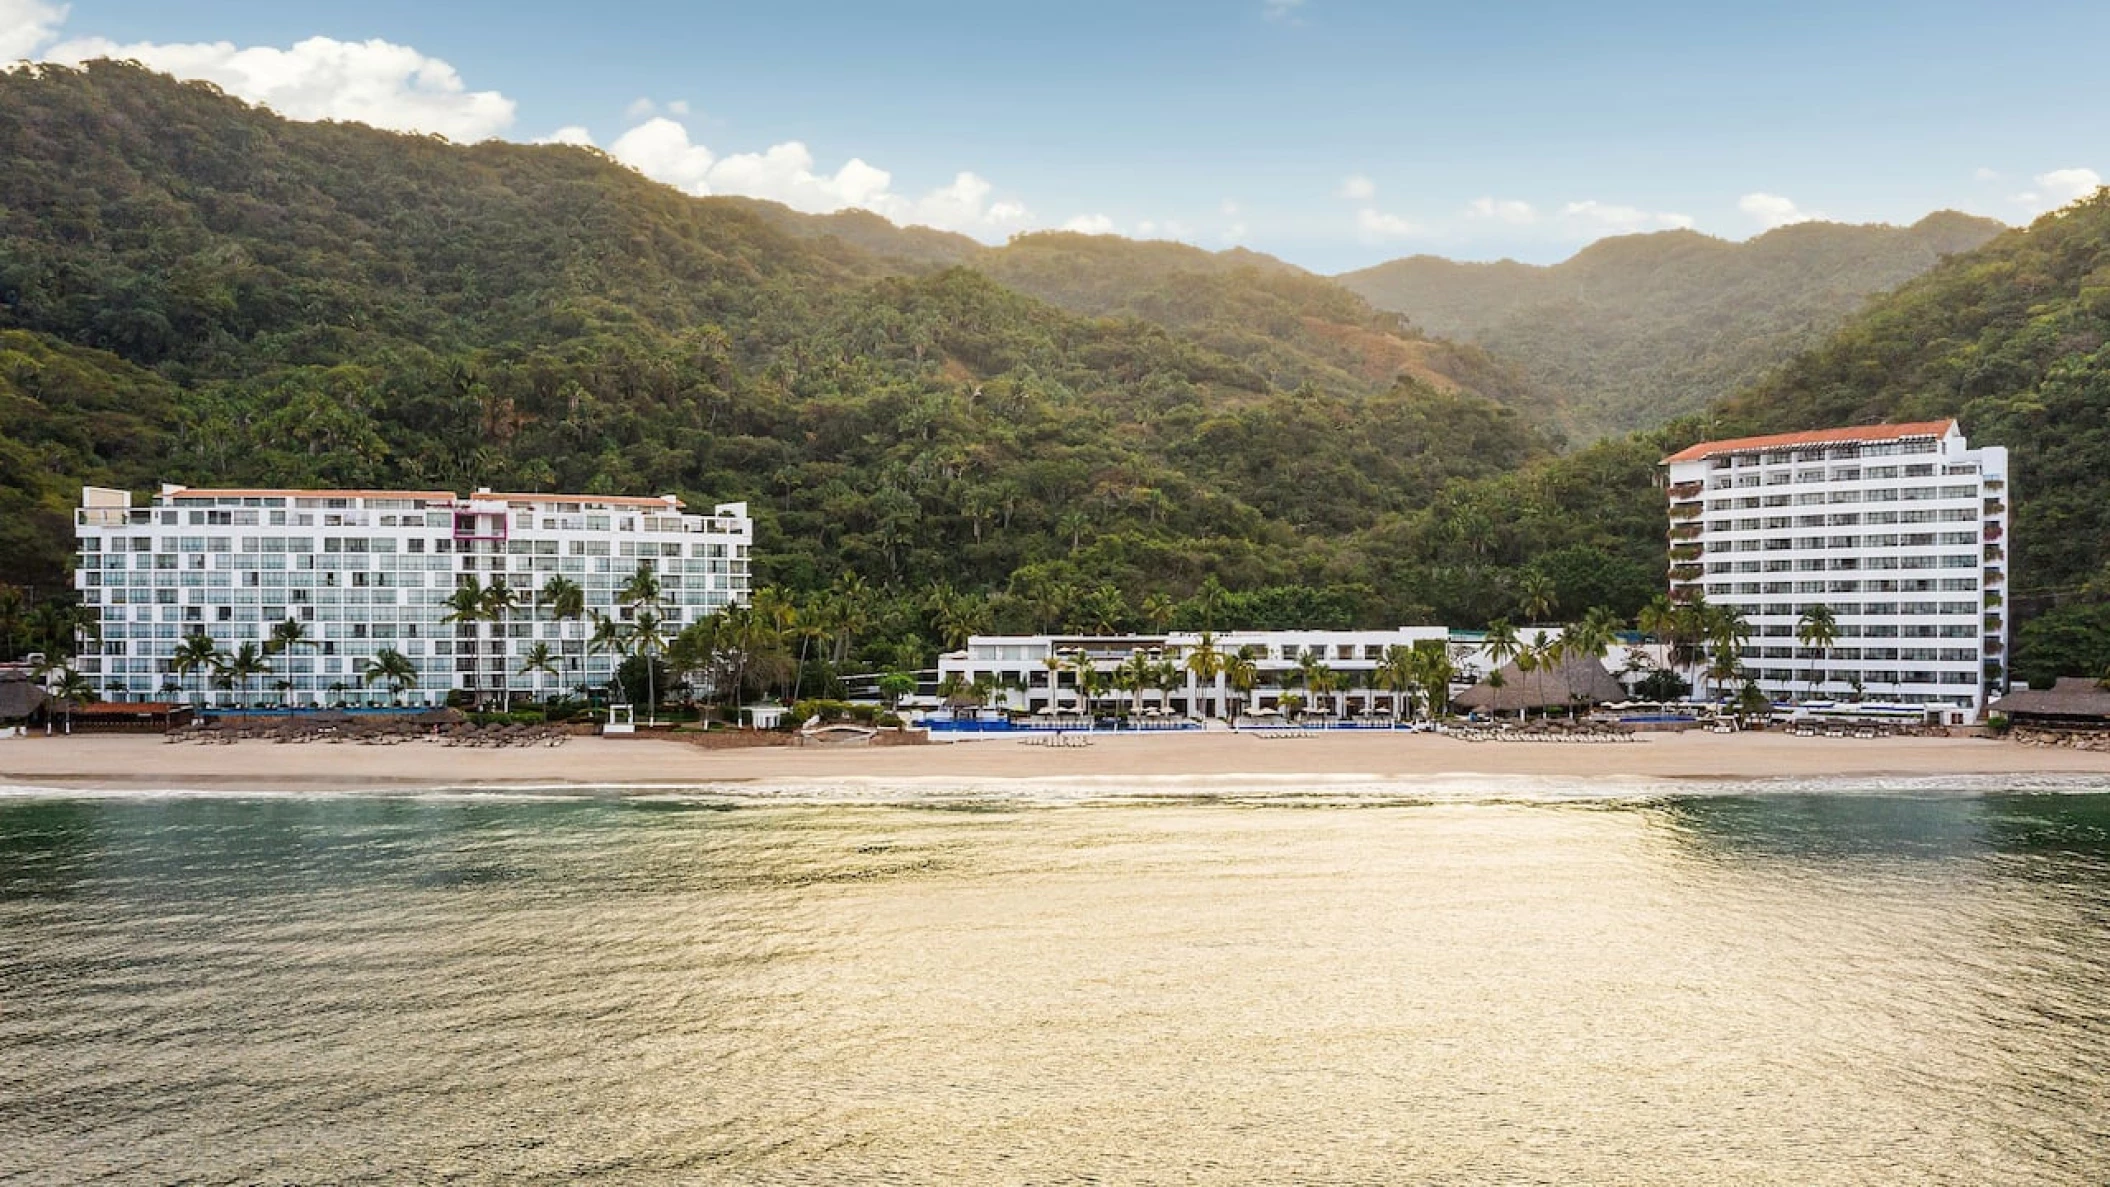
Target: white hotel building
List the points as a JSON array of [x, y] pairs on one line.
[[367, 570], [1027, 681], [1901, 530]]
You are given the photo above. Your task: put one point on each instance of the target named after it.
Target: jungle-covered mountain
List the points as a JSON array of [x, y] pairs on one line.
[[195, 290], [2014, 339], [1637, 330], [1291, 325]]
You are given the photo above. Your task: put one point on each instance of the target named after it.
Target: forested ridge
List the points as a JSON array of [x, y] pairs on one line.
[[1637, 330], [1068, 432], [195, 290], [2013, 339]]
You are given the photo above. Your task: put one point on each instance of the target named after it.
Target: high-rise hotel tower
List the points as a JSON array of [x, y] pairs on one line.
[[1899, 530], [364, 571]]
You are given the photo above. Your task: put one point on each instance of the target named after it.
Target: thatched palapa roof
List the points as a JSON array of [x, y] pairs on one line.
[[20, 699], [2069, 697], [1580, 679]]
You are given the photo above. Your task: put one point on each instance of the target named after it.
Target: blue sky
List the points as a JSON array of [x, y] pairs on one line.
[[1333, 133]]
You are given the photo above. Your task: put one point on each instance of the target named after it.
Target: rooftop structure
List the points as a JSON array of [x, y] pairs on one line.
[[1898, 530], [364, 571]]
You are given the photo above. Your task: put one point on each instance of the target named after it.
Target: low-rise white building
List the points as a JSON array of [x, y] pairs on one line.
[[1038, 673], [364, 571]]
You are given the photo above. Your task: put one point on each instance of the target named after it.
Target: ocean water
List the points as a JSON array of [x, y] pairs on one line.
[[1816, 986]]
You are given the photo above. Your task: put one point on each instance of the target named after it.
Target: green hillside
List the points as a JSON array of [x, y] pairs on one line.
[[2015, 340], [1638, 330], [195, 290], [1290, 325]]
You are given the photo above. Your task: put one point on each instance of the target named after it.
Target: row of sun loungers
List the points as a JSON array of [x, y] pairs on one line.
[[1843, 731], [378, 733], [1586, 732], [1066, 741]]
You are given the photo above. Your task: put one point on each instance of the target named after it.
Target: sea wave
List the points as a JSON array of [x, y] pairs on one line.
[[1246, 789]]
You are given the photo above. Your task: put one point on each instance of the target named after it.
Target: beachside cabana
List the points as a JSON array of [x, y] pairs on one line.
[[126, 717], [20, 701], [1572, 682], [2071, 703]]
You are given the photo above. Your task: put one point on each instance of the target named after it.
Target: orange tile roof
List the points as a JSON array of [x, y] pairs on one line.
[[274, 492], [1859, 434], [613, 500], [435, 496]]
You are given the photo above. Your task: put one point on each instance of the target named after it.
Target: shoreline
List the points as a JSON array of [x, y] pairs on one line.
[[1169, 764]]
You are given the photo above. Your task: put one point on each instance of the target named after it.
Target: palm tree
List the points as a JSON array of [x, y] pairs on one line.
[[499, 602], [642, 589], [1054, 665], [1433, 671], [69, 688], [246, 661], [1211, 599], [538, 659], [391, 666], [1818, 628], [562, 598], [1535, 597], [197, 653], [1725, 631], [285, 636], [465, 608], [1090, 680], [647, 636], [1206, 664], [1501, 644], [1158, 609], [1242, 672], [1399, 673], [1133, 676]]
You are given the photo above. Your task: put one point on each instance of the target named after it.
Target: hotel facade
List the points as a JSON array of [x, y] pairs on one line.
[[1899, 530], [1037, 673], [364, 571]]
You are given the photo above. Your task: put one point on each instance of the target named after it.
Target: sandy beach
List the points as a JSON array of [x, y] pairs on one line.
[[147, 762]]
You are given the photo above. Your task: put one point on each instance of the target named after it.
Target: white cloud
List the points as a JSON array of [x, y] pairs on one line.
[[1507, 210], [660, 149], [568, 134], [1772, 210], [27, 26], [396, 87], [1592, 217], [1229, 208], [1091, 224], [1233, 233], [1376, 224], [373, 82], [1984, 174], [1280, 10], [1357, 188], [2059, 187]]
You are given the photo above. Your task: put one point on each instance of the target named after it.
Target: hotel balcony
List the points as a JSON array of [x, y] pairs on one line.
[[1993, 552], [1995, 576], [1685, 531], [1685, 510], [1687, 490], [1685, 552]]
